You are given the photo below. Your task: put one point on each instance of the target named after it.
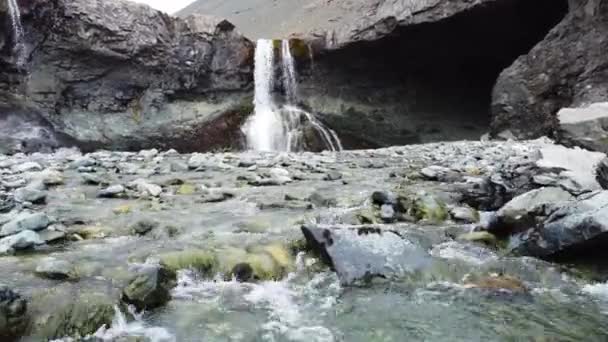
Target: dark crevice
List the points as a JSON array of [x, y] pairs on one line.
[[431, 81]]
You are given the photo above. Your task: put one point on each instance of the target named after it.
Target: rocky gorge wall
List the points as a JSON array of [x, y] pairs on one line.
[[114, 74]]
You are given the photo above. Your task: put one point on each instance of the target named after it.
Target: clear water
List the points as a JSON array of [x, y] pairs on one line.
[[275, 126]]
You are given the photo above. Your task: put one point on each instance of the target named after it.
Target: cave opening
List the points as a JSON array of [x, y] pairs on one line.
[[426, 82]]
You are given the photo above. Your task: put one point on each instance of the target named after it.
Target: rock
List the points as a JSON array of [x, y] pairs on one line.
[[584, 127], [481, 237], [441, 174], [429, 208], [362, 253], [25, 221], [269, 262], [143, 227], [145, 188], [55, 269], [387, 213], [216, 197], [332, 176], [242, 272], [91, 179], [521, 212], [186, 189], [204, 262], [465, 214], [51, 236], [51, 177], [66, 310], [576, 167], [197, 160], [383, 197], [27, 167], [30, 195], [23, 240], [560, 71], [322, 199], [112, 191], [280, 176], [151, 287], [13, 315], [167, 83], [578, 226], [148, 154]]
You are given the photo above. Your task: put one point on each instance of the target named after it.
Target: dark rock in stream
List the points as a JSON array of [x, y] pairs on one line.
[[360, 253], [151, 287], [13, 315]]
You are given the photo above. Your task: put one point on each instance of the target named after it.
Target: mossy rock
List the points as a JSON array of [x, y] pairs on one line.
[[485, 238], [150, 288], [367, 216], [73, 312], [205, 262], [122, 210], [270, 262], [93, 232], [427, 207], [186, 189], [498, 283]]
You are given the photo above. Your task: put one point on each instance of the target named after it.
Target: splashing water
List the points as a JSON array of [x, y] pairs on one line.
[[18, 35], [273, 127]]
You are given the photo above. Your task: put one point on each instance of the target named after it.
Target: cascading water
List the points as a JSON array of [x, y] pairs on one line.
[[275, 127], [18, 35]]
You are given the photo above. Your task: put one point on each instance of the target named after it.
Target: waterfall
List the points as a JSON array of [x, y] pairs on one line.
[[18, 35], [280, 127]]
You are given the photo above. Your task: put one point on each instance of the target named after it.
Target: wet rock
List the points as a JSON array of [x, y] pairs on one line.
[[143, 227], [333, 176], [480, 237], [216, 197], [601, 173], [429, 208], [387, 213], [521, 212], [27, 167], [83, 162], [112, 191], [148, 154], [13, 314], [464, 214], [204, 262], [30, 195], [50, 236], [151, 287], [50, 177], [441, 174], [25, 221], [584, 127], [55, 269], [145, 188], [361, 253], [384, 197], [579, 226], [23, 240], [243, 272], [91, 179], [269, 262], [323, 199], [68, 311]]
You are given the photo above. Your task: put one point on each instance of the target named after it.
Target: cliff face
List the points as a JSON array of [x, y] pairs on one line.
[[569, 68], [114, 74], [389, 72]]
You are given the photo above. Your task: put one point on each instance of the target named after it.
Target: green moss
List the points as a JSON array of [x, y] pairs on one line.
[[480, 237], [203, 261], [299, 48], [186, 189], [429, 208]]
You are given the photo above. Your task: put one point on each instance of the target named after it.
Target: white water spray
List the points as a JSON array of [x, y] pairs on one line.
[[275, 127], [18, 35]]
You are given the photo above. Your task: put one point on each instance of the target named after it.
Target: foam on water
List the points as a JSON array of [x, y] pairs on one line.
[[287, 319]]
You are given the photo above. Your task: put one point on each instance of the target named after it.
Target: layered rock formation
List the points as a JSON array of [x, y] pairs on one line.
[[398, 72], [114, 74]]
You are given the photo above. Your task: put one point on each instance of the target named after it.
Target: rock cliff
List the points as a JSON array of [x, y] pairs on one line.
[[115, 74]]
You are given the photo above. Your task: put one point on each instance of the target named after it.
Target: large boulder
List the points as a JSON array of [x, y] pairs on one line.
[[567, 69], [116, 74], [586, 127], [361, 253], [150, 287], [579, 226]]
